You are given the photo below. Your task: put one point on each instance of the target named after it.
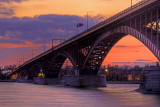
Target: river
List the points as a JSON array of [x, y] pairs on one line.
[[115, 95]]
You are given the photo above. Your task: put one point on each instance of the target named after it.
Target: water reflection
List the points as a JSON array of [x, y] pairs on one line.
[[115, 95]]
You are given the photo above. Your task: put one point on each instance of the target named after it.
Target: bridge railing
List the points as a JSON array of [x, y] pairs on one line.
[[111, 18], [120, 13]]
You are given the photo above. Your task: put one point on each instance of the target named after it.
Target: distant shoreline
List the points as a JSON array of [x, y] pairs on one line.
[[7, 80], [123, 82], [108, 82]]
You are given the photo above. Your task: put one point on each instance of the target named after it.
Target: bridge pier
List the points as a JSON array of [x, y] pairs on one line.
[[152, 83], [84, 81]]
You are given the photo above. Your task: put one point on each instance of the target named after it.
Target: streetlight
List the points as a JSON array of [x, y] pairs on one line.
[[56, 39], [87, 18], [23, 58], [132, 3], [32, 52], [44, 46]]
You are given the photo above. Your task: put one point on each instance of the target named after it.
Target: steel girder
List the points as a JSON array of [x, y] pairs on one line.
[[144, 26], [56, 63]]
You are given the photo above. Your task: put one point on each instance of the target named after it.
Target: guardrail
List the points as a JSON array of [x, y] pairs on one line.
[[111, 18], [119, 14]]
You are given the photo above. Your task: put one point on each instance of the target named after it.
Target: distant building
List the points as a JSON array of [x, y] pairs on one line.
[[6, 71]]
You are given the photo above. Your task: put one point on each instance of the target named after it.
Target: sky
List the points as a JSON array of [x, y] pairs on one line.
[[26, 25]]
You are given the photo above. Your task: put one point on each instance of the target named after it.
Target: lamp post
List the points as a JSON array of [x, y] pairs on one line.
[[23, 59], [32, 52], [87, 18], [44, 46], [52, 43], [131, 4], [56, 39]]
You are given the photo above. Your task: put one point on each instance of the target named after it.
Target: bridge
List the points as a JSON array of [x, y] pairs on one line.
[[87, 50]]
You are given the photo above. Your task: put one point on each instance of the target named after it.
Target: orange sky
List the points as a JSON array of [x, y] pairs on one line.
[[127, 49], [72, 7]]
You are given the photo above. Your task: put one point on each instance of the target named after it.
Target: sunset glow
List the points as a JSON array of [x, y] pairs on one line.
[[129, 50], [73, 7]]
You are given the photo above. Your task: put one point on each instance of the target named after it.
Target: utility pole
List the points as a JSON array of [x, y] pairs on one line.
[[44, 45], [23, 58], [87, 18], [32, 52], [131, 4], [57, 40]]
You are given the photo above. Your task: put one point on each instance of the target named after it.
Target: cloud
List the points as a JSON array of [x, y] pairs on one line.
[[6, 7], [142, 64], [134, 51], [143, 60], [40, 28], [123, 63], [129, 46], [14, 45], [13, 56], [12, 0], [120, 46], [19, 36], [5, 10]]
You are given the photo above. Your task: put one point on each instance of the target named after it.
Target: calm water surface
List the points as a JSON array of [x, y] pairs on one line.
[[115, 95]]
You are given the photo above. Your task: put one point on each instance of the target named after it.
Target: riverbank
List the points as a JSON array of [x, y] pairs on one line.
[[108, 82], [123, 82], [7, 80]]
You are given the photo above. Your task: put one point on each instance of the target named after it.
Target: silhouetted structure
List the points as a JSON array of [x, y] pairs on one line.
[[87, 50]]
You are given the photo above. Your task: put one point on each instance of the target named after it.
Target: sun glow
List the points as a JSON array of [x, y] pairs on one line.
[[129, 49]]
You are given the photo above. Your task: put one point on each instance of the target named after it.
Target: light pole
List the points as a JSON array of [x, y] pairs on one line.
[[131, 4], [23, 58], [54, 40], [17, 62], [32, 52], [52, 44], [44, 46], [87, 18]]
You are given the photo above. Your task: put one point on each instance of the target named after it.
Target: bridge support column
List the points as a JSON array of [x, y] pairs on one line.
[[152, 83], [84, 81]]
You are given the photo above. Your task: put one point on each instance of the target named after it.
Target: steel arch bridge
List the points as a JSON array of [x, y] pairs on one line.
[[87, 50]]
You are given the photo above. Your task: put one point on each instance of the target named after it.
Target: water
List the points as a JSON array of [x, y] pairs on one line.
[[115, 95]]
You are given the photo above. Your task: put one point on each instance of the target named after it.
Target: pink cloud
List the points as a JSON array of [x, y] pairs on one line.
[[15, 45]]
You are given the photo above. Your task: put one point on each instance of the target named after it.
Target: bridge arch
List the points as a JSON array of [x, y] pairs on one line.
[[23, 73], [141, 37], [36, 69], [106, 41], [57, 62]]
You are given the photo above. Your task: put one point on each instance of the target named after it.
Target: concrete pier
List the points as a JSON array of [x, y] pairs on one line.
[[152, 83], [84, 81]]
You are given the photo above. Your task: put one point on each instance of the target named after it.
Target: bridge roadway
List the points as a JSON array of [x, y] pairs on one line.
[[87, 50]]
